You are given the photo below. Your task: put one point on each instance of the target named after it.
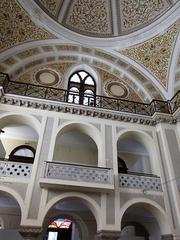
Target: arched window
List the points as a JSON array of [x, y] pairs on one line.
[[23, 153], [81, 88]]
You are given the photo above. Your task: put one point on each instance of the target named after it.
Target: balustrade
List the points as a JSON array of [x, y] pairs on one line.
[[137, 181], [78, 173], [15, 169]]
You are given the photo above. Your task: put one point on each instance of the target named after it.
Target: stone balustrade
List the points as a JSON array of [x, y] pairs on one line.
[[151, 183], [78, 173], [15, 169]]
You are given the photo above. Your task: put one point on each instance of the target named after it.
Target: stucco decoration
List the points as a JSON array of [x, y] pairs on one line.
[[58, 70], [47, 77], [135, 13], [155, 54], [108, 78], [16, 26], [89, 16], [51, 5], [116, 89]]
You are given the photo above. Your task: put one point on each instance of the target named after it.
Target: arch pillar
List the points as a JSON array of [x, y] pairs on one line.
[[108, 235]]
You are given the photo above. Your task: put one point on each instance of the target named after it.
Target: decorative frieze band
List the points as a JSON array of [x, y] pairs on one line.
[[87, 111]]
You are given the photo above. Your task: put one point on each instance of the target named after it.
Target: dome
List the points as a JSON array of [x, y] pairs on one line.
[[104, 18]]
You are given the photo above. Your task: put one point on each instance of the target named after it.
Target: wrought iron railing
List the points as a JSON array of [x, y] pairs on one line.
[[56, 94]]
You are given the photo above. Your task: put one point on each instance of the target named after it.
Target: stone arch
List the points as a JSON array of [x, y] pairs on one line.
[[156, 210], [89, 202], [6, 119], [85, 128], [145, 140], [16, 197]]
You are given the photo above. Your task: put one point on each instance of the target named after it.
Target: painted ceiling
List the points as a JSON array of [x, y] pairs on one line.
[[133, 43]]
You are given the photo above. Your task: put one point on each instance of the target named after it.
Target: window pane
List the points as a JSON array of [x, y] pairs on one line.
[[74, 89], [52, 236], [88, 91], [89, 81], [83, 74], [24, 152], [75, 78]]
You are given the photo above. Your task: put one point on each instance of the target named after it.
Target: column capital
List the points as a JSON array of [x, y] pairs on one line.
[[108, 235], [30, 233]]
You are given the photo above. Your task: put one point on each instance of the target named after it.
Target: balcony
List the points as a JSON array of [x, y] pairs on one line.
[[62, 175], [115, 104], [15, 169], [145, 182]]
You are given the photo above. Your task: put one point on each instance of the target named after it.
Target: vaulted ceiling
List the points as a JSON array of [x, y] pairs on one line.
[[133, 43]]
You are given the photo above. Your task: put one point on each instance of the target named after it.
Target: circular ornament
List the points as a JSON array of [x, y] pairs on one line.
[[47, 76], [116, 89]]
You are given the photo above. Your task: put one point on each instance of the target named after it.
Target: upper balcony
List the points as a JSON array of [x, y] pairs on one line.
[[72, 176], [97, 101], [14, 170], [140, 181]]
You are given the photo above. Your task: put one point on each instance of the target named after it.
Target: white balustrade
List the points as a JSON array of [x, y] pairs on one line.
[[78, 173], [140, 182], [15, 169]]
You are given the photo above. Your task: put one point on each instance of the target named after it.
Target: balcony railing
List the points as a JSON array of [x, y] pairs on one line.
[[78, 173], [15, 169], [145, 182], [61, 95]]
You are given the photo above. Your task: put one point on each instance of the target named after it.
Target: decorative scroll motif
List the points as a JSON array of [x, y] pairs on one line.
[[17, 27], [140, 182], [14, 169], [51, 5], [90, 16], [78, 173], [155, 54], [137, 12]]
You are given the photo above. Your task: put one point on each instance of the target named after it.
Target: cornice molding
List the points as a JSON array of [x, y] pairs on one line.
[[28, 102]]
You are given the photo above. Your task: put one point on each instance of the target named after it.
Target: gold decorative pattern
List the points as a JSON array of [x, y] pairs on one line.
[[155, 55], [24, 78], [68, 58], [28, 53], [47, 48], [50, 59], [16, 26], [66, 48], [34, 63], [51, 5], [105, 55], [106, 77], [135, 13], [101, 65], [90, 17], [10, 61]]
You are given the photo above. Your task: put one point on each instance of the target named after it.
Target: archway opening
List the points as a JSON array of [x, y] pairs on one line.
[[133, 156], [140, 222], [70, 219], [10, 216], [75, 146], [18, 143]]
